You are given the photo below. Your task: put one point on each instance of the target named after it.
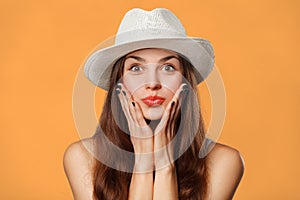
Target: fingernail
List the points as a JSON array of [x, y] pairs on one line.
[[124, 93], [118, 86], [117, 91], [133, 104], [183, 92], [172, 104], [185, 89]]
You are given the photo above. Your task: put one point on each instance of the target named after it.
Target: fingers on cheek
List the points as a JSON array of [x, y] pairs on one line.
[[178, 96], [139, 115], [170, 105], [133, 110], [124, 103], [129, 106], [118, 92]]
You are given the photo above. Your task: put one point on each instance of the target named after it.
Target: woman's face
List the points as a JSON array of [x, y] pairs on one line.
[[152, 76]]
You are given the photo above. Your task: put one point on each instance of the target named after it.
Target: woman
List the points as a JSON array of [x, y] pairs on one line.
[[150, 143]]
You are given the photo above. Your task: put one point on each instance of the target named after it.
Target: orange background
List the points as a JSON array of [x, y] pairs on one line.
[[43, 44]]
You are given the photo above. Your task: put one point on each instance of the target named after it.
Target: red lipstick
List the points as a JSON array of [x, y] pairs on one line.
[[153, 100]]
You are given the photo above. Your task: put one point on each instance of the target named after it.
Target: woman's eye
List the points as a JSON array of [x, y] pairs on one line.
[[168, 68], [135, 68]]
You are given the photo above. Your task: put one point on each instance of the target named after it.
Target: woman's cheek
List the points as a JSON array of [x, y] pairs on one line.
[[133, 83], [172, 86]]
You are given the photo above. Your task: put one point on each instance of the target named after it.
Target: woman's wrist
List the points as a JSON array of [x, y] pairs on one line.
[[167, 170], [163, 158], [143, 163]]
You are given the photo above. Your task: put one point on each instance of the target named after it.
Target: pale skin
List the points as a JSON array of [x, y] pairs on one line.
[[153, 72]]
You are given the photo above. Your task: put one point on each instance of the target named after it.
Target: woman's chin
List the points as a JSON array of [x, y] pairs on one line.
[[152, 118], [154, 113]]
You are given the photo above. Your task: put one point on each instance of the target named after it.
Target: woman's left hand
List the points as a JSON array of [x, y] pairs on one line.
[[163, 135]]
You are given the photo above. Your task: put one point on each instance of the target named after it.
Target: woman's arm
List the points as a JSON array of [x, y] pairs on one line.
[[141, 186], [226, 168], [165, 184]]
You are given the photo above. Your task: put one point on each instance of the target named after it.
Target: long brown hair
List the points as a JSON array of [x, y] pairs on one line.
[[192, 173]]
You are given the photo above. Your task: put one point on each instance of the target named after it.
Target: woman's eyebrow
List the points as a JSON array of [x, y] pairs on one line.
[[136, 58], [168, 58], [161, 60]]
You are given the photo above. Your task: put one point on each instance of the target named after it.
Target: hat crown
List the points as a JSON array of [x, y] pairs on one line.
[[140, 24], [141, 29]]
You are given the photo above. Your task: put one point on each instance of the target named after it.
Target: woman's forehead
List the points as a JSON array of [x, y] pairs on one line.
[[152, 54]]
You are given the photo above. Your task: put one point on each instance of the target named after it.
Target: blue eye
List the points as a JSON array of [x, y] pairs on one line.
[[168, 67], [135, 68]]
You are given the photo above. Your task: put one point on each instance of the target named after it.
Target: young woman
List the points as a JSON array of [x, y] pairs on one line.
[[150, 142]]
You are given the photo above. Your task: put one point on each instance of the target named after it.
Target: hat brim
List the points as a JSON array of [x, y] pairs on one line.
[[197, 51]]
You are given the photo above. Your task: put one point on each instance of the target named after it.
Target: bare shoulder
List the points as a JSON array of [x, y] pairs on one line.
[[78, 163], [224, 153], [226, 168]]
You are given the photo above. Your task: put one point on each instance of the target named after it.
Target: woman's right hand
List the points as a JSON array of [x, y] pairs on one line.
[[141, 134]]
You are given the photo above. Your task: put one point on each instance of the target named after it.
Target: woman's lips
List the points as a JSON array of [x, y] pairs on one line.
[[153, 100]]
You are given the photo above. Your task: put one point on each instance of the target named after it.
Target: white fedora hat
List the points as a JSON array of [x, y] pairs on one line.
[[140, 29]]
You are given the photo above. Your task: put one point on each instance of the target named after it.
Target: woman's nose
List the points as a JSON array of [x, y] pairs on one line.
[[152, 81], [153, 85]]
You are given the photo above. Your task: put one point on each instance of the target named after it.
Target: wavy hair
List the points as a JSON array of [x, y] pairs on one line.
[[192, 173]]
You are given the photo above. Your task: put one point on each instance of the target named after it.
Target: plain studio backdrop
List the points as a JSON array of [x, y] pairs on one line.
[[44, 43]]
